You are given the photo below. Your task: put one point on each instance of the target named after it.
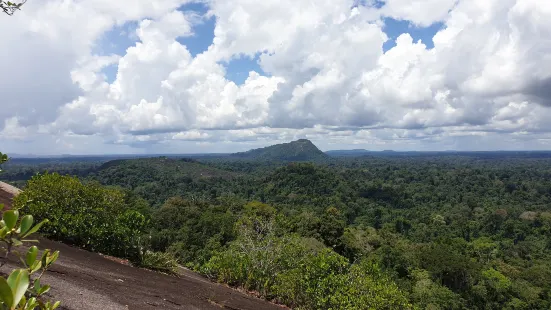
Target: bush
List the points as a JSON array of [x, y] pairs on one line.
[[86, 215], [159, 261], [288, 270], [325, 280]]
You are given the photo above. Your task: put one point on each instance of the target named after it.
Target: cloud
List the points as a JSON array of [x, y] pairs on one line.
[[325, 75], [419, 12]]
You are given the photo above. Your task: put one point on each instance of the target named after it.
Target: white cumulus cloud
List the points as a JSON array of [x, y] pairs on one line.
[[324, 75]]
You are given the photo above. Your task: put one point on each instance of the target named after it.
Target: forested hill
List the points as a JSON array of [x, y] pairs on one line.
[[157, 179], [160, 167], [300, 150]]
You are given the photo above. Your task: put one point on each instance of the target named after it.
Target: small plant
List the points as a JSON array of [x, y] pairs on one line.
[[3, 159], [158, 261], [22, 289]]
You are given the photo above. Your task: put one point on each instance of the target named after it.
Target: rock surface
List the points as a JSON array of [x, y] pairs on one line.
[[85, 280], [7, 193]]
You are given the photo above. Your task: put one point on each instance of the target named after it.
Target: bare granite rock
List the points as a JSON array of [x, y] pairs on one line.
[[7, 193]]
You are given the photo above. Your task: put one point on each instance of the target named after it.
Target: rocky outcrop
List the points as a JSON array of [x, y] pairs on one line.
[[7, 193]]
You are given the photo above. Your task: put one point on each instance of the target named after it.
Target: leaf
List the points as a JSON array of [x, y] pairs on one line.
[[6, 294], [31, 304], [52, 258], [36, 284], [3, 232], [26, 223], [34, 229], [10, 217], [56, 304], [36, 266], [18, 282], [31, 256], [43, 290], [44, 258], [56, 256], [22, 302]]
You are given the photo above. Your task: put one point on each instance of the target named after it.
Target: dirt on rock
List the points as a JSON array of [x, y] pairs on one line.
[[85, 280]]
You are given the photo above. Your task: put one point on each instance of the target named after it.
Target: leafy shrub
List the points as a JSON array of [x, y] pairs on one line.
[[87, 215], [191, 230], [325, 280], [158, 261], [296, 272], [300, 277], [3, 159]]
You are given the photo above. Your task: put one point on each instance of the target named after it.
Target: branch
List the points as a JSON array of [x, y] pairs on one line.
[[10, 7]]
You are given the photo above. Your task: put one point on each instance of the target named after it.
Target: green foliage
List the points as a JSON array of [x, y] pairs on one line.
[[191, 230], [87, 215], [3, 159], [448, 231], [332, 227], [22, 289], [158, 261], [447, 262], [289, 269], [429, 295], [157, 179], [304, 278]]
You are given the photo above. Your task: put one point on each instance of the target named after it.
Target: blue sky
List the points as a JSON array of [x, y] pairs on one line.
[[118, 39]]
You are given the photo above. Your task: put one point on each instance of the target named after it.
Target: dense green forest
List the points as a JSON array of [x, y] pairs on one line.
[[381, 231]]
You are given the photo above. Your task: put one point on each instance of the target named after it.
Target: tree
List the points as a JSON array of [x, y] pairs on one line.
[[10, 7], [3, 159], [332, 226]]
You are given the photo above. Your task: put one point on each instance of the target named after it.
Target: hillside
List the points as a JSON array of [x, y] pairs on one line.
[[157, 179], [160, 167], [86, 280], [300, 150]]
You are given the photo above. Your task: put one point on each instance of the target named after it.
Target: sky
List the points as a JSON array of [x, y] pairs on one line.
[[181, 76]]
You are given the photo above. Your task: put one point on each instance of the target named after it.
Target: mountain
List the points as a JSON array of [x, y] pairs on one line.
[[300, 150]]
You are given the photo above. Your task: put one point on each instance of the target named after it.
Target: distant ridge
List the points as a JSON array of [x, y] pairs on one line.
[[300, 150], [355, 152], [158, 168]]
